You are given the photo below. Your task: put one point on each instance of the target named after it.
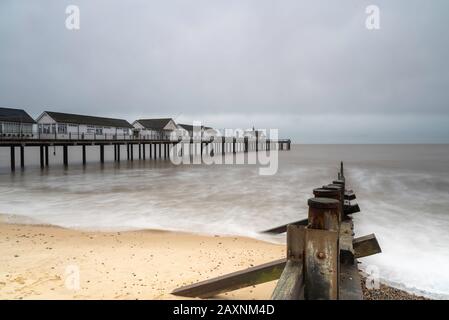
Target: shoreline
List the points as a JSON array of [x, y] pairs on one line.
[[41, 262]]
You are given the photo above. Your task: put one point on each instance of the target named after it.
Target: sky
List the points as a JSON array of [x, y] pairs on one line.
[[308, 68]]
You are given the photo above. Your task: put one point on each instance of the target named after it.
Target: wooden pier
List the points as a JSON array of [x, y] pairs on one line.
[[321, 254], [147, 148]]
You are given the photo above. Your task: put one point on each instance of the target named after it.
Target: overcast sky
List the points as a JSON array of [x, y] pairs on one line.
[[309, 68]]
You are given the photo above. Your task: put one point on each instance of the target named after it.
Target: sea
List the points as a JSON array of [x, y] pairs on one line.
[[402, 190]]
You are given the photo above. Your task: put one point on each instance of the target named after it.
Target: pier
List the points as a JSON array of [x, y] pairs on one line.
[[147, 148]]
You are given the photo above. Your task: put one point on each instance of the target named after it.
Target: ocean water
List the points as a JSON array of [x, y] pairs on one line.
[[403, 192]]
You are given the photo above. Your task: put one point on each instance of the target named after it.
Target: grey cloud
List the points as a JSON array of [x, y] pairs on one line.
[[229, 62]]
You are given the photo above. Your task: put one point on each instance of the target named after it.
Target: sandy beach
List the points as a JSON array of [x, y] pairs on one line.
[[41, 262], [38, 261]]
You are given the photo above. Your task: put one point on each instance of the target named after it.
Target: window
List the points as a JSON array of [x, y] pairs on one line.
[[99, 130], [90, 129], [62, 128], [45, 128], [11, 127], [27, 128]]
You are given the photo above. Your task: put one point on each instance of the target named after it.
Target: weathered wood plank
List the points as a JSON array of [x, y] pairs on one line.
[[283, 228], [252, 276], [350, 195], [366, 246], [346, 239], [324, 213], [350, 285], [321, 265], [291, 283], [350, 207]]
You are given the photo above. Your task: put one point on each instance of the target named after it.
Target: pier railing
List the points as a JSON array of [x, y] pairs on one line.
[[321, 256]]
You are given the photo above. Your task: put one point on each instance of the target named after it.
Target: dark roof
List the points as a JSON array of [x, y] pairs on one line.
[[189, 127], [88, 120], [157, 124], [15, 115]]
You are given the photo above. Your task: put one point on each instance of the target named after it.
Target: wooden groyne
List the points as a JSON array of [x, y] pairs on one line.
[[321, 256], [147, 148]]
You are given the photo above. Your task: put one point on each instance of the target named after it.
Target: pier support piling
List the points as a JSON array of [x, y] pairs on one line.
[[13, 158], [47, 159], [22, 156], [102, 153], [84, 154], [65, 155], [41, 156]]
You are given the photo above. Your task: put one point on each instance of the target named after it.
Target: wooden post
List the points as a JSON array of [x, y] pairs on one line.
[[127, 151], [41, 156], [13, 158], [65, 155], [342, 169], [291, 283], [102, 153], [223, 146], [115, 152], [131, 151], [140, 150], [151, 151], [331, 194], [47, 159], [339, 188], [22, 157], [323, 214], [245, 144], [143, 151], [84, 154], [233, 145], [160, 150], [321, 250], [257, 141], [118, 152]]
